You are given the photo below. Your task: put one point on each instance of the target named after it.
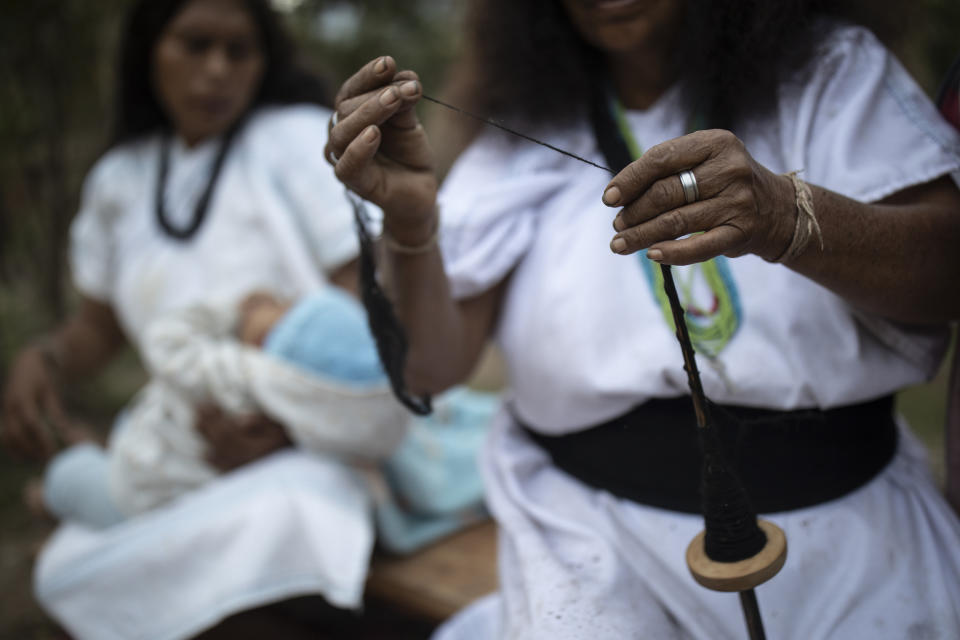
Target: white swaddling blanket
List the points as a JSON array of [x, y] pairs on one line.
[[193, 358]]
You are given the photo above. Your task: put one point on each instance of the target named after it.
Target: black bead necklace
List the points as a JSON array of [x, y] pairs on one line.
[[203, 203]]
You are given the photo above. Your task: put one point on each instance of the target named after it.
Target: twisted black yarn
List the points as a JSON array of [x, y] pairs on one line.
[[387, 331]]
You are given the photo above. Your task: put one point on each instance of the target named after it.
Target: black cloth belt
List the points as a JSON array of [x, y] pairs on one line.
[[785, 459]]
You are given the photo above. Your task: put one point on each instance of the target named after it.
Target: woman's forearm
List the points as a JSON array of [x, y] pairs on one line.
[[445, 336], [898, 258], [379, 149], [87, 341]]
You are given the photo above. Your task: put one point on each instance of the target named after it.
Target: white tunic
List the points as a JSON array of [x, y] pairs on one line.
[[278, 220], [285, 526], [585, 341]]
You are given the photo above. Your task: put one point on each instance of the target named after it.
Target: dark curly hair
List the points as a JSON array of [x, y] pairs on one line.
[[526, 62], [137, 110]]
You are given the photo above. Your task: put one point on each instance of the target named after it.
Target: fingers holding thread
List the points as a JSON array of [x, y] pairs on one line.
[[392, 103], [355, 167], [374, 74], [347, 105], [660, 162], [697, 248]]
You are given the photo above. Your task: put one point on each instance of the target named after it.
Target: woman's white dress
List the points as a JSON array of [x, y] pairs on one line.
[[290, 524], [586, 340]]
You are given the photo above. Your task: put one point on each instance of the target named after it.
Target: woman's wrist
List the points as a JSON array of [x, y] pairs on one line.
[[783, 215], [413, 235], [805, 228]]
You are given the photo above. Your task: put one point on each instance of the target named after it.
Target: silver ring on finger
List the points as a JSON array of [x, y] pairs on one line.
[[332, 157], [335, 118], [691, 193]]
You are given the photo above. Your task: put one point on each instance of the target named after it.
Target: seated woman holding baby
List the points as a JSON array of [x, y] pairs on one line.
[[214, 187]]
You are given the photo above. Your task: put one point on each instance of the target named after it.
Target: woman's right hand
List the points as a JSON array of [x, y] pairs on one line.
[[380, 151], [33, 417]]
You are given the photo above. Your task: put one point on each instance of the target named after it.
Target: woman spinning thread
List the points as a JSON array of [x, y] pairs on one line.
[[593, 521]]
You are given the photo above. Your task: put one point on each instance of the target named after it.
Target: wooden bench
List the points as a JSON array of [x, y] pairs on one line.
[[438, 581]]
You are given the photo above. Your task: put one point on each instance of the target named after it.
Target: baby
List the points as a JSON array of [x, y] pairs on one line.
[[311, 366]]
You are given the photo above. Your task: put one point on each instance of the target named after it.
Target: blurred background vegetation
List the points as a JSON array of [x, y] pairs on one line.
[[56, 71]]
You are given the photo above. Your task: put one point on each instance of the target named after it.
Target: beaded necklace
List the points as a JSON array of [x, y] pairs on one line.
[[203, 203]]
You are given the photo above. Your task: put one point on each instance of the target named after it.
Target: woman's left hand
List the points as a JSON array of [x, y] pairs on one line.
[[233, 441], [742, 206]]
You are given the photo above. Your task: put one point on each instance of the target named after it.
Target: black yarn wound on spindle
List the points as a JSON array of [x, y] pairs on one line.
[[730, 523], [387, 332], [730, 527]]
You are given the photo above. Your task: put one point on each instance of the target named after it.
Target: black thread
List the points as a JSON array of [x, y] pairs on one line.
[[494, 123], [731, 532], [387, 331]]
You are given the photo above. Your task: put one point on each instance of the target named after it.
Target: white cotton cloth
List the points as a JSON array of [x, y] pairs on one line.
[[584, 341], [194, 357], [245, 539], [278, 221]]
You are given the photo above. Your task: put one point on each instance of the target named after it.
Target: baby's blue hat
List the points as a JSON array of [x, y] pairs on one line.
[[326, 333]]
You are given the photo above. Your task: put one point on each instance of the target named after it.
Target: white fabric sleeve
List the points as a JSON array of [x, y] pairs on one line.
[[861, 125], [863, 128], [92, 253], [294, 137], [489, 205]]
